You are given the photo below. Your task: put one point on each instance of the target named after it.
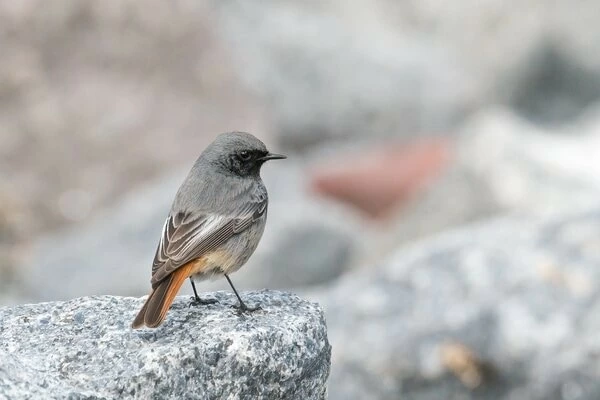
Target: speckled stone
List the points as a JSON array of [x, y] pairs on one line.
[[508, 309], [85, 349]]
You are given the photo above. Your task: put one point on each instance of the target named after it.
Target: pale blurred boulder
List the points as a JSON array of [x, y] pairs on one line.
[[533, 169], [381, 69], [505, 309], [332, 70]]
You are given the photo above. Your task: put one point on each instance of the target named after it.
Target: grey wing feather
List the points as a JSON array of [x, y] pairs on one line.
[[187, 236]]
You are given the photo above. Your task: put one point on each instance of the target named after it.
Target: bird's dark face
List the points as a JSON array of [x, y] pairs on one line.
[[239, 153], [247, 162]]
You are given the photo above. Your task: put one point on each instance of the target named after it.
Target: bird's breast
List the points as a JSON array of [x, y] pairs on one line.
[[233, 254]]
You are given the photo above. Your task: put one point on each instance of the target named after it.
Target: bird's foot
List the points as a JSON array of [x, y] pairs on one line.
[[197, 301]]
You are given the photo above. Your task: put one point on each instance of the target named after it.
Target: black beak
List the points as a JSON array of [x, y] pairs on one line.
[[271, 156]]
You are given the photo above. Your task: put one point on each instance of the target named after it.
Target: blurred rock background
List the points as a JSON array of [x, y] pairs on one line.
[[401, 120]]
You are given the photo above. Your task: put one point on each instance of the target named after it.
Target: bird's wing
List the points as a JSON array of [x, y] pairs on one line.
[[188, 236]]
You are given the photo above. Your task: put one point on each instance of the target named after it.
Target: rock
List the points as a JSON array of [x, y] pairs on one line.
[[533, 169], [337, 71], [379, 181], [502, 163], [552, 87], [381, 68], [309, 255], [84, 348], [554, 65], [113, 253], [500, 310], [456, 198]]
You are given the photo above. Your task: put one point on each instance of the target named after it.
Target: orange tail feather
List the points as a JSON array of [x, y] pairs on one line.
[[155, 309]]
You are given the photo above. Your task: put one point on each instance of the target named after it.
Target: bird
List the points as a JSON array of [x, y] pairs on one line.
[[214, 225]]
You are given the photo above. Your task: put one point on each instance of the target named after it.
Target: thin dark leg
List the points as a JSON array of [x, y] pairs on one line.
[[197, 299], [242, 306]]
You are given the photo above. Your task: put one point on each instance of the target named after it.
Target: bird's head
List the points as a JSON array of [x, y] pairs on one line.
[[238, 153]]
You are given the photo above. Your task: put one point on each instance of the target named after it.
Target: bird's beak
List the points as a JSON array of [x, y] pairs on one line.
[[272, 156]]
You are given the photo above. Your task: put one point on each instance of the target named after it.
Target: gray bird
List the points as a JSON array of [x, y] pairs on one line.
[[215, 223]]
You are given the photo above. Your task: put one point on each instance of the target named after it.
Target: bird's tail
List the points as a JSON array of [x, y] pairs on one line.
[[155, 309]]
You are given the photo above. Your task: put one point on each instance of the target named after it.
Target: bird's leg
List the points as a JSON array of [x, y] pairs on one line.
[[196, 297], [242, 306], [197, 300]]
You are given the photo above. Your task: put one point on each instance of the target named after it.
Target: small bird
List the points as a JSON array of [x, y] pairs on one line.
[[215, 223]]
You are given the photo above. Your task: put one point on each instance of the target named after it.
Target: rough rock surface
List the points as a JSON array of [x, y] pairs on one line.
[[85, 349], [508, 309]]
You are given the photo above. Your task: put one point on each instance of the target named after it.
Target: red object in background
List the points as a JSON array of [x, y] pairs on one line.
[[380, 180]]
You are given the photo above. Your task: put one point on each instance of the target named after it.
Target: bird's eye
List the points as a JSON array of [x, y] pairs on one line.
[[244, 155]]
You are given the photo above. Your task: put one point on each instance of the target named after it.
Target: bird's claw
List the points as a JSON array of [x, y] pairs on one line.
[[196, 301]]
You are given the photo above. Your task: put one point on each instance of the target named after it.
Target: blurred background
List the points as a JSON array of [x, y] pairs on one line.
[[429, 144]]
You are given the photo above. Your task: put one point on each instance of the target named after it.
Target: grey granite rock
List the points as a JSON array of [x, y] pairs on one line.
[[507, 309], [85, 349]]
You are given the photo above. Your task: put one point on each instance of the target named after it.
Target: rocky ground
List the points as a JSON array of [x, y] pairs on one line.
[[206, 352]]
